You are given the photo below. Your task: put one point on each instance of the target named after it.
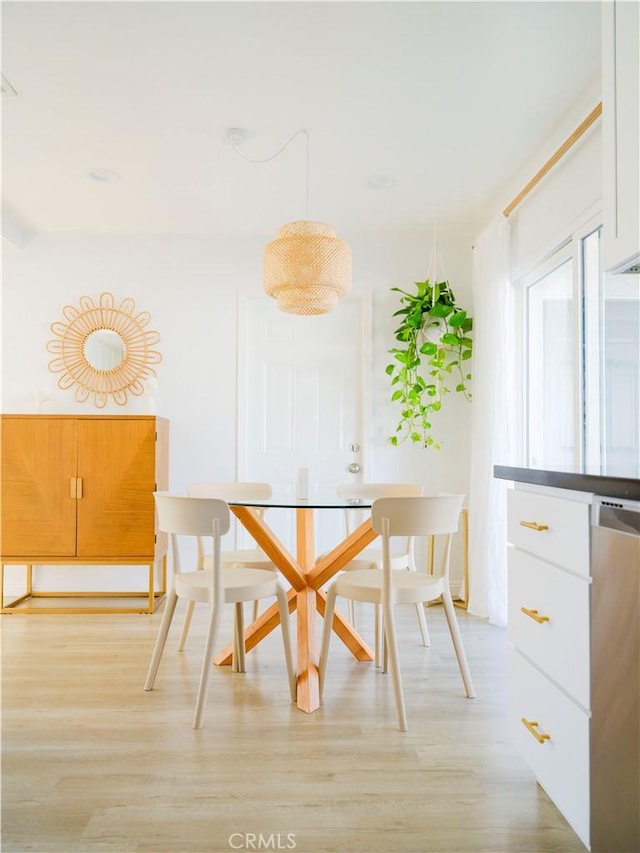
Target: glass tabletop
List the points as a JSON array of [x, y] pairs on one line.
[[314, 502]]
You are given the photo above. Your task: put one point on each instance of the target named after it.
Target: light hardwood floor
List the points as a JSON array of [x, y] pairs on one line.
[[93, 763]]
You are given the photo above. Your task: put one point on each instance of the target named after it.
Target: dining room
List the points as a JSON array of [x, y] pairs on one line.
[[159, 161]]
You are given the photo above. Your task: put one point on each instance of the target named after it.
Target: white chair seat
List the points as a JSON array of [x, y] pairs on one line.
[[255, 558], [240, 584], [408, 587], [372, 559]]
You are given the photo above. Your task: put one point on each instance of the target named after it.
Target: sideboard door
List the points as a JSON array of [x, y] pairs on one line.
[[116, 463], [38, 466]]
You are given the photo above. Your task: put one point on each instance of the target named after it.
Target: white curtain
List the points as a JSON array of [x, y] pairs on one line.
[[492, 422]]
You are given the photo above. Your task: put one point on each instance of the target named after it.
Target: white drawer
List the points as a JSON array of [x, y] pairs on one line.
[[552, 528], [559, 646], [561, 764]]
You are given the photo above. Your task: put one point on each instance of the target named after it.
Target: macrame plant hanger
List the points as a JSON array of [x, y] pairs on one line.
[[435, 266]]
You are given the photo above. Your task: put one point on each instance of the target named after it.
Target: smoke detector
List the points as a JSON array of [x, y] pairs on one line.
[[380, 182], [235, 136]]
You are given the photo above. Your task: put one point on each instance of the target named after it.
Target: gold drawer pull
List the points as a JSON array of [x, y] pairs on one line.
[[533, 614], [530, 725], [533, 525]]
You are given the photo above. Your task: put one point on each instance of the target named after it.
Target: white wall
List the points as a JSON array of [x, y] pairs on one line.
[[190, 287], [565, 197], [567, 192]]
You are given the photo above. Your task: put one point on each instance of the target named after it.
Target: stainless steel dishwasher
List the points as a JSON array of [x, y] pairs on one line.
[[615, 676]]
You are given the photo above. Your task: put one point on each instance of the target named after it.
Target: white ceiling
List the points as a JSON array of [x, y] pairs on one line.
[[448, 98]]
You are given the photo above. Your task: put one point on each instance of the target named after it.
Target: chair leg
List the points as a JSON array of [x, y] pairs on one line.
[[454, 630], [422, 621], [207, 663], [283, 606], [330, 607], [394, 662], [161, 640], [186, 624], [238, 663], [378, 639], [351, 609]]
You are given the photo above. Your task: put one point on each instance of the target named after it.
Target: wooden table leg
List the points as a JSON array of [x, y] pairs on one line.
[[308, 679]]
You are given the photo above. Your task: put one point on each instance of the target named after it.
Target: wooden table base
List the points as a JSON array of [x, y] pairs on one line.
[[306, 576]]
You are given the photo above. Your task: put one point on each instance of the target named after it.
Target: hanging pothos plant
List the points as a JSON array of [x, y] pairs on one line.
[[435, 346]]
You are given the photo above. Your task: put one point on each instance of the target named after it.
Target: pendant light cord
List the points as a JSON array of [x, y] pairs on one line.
[[277, 154]]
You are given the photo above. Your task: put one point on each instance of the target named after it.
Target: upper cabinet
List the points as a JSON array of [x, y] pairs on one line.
[[621, 135]]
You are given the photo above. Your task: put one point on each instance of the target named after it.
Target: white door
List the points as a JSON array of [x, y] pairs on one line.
[[300, 403]]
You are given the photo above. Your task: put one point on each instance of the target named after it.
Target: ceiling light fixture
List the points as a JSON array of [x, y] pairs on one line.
[[380, 182], [104, 176], [306, 268]]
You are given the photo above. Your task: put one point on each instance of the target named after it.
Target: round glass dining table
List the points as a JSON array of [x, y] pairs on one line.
[[306, 575]]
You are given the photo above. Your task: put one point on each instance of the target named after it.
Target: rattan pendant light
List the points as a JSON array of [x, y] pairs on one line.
[[307, 268]]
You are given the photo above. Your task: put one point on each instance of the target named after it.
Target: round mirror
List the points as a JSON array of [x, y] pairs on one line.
[[104, 349]]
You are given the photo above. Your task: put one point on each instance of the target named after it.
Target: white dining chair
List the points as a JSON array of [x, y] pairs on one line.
[[230, 558], [210, 518], [399, 517], [402, 554]]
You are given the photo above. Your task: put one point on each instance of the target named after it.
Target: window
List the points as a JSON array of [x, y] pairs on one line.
[[581, 365], [550, 312]]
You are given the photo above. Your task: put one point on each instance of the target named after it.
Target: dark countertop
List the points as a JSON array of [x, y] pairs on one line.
[[612, 487]]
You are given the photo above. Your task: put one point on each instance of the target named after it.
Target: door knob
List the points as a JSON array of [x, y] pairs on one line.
[[355, 447], [353, 468]]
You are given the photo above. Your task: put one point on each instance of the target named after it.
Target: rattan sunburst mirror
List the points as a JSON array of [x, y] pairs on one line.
[[105, 350]]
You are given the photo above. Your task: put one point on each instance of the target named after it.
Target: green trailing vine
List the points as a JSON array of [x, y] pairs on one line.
[[435, 346]]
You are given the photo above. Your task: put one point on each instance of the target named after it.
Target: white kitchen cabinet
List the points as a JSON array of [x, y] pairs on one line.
[[549, 678], [560, 760], [574, 656], [559, 644], [621, 134]]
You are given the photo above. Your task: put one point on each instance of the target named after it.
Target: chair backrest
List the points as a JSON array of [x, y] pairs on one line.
[[191, 516], [373, 491], [181, 515], [418, 516], [368, 492], [231, 491]]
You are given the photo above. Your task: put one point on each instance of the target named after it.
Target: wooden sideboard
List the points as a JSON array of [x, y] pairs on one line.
[[78, 490]]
